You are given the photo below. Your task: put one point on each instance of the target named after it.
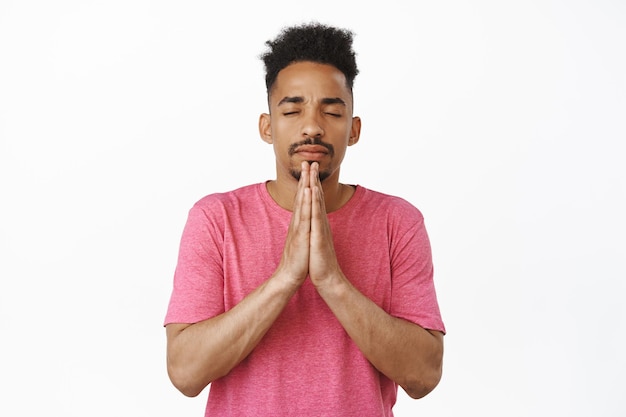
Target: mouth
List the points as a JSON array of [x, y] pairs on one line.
[[311, 152]]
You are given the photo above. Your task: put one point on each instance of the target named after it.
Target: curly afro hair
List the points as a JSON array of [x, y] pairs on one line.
[[313, 42]]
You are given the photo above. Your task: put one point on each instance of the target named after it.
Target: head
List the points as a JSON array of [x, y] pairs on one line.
[[310, 71], [312, 42]]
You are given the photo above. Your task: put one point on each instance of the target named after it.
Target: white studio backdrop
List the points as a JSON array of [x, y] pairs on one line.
[[504, 122]]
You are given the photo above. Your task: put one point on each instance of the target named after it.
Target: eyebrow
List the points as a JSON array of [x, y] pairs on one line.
[[335, 100], [298, 99]]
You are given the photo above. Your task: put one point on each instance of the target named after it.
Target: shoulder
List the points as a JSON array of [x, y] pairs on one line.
[[391, 205], [229, 199], [215, 208]]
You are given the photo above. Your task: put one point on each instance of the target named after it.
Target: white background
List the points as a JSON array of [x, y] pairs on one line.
[[504, 122]]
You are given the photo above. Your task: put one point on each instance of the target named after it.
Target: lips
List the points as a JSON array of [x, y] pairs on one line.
[[311, 152], [311, 149]]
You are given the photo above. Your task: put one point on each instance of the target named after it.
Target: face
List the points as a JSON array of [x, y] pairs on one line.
[[310, 119]]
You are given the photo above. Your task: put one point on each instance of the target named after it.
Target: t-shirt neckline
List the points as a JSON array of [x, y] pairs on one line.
[[346, 208]]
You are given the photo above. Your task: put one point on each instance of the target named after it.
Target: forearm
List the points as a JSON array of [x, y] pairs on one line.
[[403, 351], [199, 353]]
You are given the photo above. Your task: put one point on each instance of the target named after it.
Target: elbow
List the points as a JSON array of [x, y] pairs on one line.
[[425, 380], [184, 382], [418, 388], [188, 390]]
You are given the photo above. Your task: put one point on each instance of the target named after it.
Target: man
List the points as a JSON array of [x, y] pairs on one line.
[[303, 296]]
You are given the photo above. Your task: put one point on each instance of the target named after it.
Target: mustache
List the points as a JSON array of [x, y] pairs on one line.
[[311, 141]]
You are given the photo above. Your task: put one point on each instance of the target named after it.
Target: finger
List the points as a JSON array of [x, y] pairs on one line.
[[299, 198], [304, 176], [306, 209], [305, 179], [314, 175], [316, 206], [318, 192], [319, 219], [322, 252]]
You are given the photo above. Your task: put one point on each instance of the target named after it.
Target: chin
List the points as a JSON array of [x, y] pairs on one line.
[[297, 174]]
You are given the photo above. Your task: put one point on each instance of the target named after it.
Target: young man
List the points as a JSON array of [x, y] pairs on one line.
[[303, 296]]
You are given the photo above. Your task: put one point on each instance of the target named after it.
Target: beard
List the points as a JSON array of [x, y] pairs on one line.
[[297, 173], [310, 141]]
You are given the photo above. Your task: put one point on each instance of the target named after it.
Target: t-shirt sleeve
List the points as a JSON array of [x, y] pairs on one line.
[[413, 290], [198, 289]]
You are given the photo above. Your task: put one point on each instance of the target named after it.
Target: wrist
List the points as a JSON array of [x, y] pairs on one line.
[[334, 286], [286, 282]]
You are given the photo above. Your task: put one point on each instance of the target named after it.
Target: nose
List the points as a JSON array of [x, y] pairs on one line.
[[312, 126]]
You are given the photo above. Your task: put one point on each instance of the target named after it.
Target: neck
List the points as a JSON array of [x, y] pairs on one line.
[[283, 192]]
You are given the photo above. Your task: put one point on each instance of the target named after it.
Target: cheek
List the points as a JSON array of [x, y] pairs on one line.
[[343, 129], [282, 130]]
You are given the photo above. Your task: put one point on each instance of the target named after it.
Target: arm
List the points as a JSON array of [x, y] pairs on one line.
[[403, 351], [199, 353]]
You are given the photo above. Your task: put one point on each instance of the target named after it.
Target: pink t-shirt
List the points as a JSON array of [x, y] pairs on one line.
[[306, 364]]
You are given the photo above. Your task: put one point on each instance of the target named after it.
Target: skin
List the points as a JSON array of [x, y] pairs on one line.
[[309, 103]]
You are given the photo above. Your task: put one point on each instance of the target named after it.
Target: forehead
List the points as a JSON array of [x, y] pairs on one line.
[[310, 80]]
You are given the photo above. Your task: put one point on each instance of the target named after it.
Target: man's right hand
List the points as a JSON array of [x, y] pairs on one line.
[[295, 259]]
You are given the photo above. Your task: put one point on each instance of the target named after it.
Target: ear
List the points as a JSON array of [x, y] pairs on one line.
[[265, 128], [355, 131]]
